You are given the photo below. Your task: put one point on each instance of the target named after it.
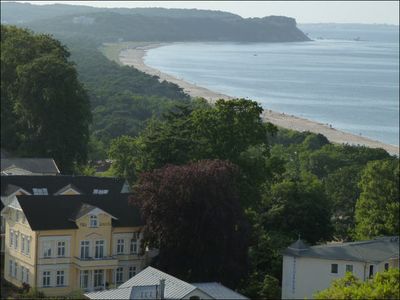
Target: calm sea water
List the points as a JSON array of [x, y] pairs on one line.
[[353, 85]]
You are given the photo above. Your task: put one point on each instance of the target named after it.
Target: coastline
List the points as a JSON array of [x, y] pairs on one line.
[[135, 57]]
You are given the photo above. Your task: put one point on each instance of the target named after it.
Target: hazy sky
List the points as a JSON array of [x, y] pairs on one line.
[[304, 11]]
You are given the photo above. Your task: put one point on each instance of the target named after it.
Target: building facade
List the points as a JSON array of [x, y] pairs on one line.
[[307, 270], [67, 242]]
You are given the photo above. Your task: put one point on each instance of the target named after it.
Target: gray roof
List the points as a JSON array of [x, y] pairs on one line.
[[174, 287], [120, 293], [218, 291], [34, 165], [376, 250]]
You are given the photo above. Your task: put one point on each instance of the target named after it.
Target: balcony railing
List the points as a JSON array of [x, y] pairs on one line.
[[105, 261]]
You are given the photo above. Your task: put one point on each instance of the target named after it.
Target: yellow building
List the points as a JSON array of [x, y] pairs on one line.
[[63, 243]]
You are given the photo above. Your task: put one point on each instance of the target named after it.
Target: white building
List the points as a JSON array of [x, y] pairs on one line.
[[155, 284], [307, 270]]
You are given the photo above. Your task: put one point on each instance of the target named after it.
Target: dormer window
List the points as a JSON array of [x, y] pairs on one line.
[[93, 221], [40, 191], [100, 192]]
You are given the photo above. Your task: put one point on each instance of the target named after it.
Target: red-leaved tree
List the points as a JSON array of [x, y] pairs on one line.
[[193, 216]]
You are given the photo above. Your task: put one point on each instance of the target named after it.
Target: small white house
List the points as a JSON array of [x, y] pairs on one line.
[[307, 270], [155, 284]]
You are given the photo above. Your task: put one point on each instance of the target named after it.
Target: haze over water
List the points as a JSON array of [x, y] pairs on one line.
[[353, 85]]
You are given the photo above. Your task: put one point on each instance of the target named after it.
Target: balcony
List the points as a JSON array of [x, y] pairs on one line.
[[104, 262]]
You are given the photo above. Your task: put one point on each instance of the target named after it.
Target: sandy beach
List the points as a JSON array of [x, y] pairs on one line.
[[135, 57]]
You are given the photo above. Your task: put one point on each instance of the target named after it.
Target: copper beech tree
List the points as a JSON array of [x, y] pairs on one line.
[[193, 216]]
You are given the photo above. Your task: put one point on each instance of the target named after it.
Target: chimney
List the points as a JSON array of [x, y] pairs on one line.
[[162, 288]]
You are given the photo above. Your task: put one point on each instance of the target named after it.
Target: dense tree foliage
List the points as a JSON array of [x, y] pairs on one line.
[[290, 183], [122, 98], [378, 208], [193, 216], [385, 285], [45, 111]]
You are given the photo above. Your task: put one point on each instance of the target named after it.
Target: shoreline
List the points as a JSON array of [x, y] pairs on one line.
[[135, 57]]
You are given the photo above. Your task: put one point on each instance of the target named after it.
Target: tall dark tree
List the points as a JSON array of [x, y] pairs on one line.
[[193, 216], [377, 209], [46, 110]]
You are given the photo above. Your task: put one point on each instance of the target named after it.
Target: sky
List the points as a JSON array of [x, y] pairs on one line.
[[382, 12]]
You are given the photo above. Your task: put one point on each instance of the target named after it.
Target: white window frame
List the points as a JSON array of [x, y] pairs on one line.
[[47, 249], [132, 271], [348, 267], [98, 277], [46, 278], [93, 221], [134, 246], [60, 278], [100, 192], [61, 246], [99, 250], [40, 191], [23, 239], [119, 275], [86, 246], [120, 246], [15, 269], [16, 237], [337, 269], [22, 273], [28, 245], [10, 268], [11, 238], [84, 276]]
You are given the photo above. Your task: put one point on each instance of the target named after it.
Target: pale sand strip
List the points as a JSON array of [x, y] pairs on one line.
[[135, 57]]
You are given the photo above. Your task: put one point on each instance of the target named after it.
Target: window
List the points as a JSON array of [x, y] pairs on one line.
[[133, 246], [17, 216], [22, 243], [99, 249], [60, 249], [23, 218], [98, 278], [16, 234], [26, 275], [334, 268], [100, 192], [11, 238], [22, 273], [386, 266], [371, 271], [349, 268], [46, 249], [84, 249], [93, 221], [46, 279], [84, 279], [120, 246], [41, 191], [119, 276], [60, 278], [28, 245], [132, 271], [10, 268], [15, 269]]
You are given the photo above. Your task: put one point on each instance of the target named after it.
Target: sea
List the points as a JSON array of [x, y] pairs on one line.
[[347, 76]]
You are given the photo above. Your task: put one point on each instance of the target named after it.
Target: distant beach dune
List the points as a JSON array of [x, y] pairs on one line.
[[135, 57]]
